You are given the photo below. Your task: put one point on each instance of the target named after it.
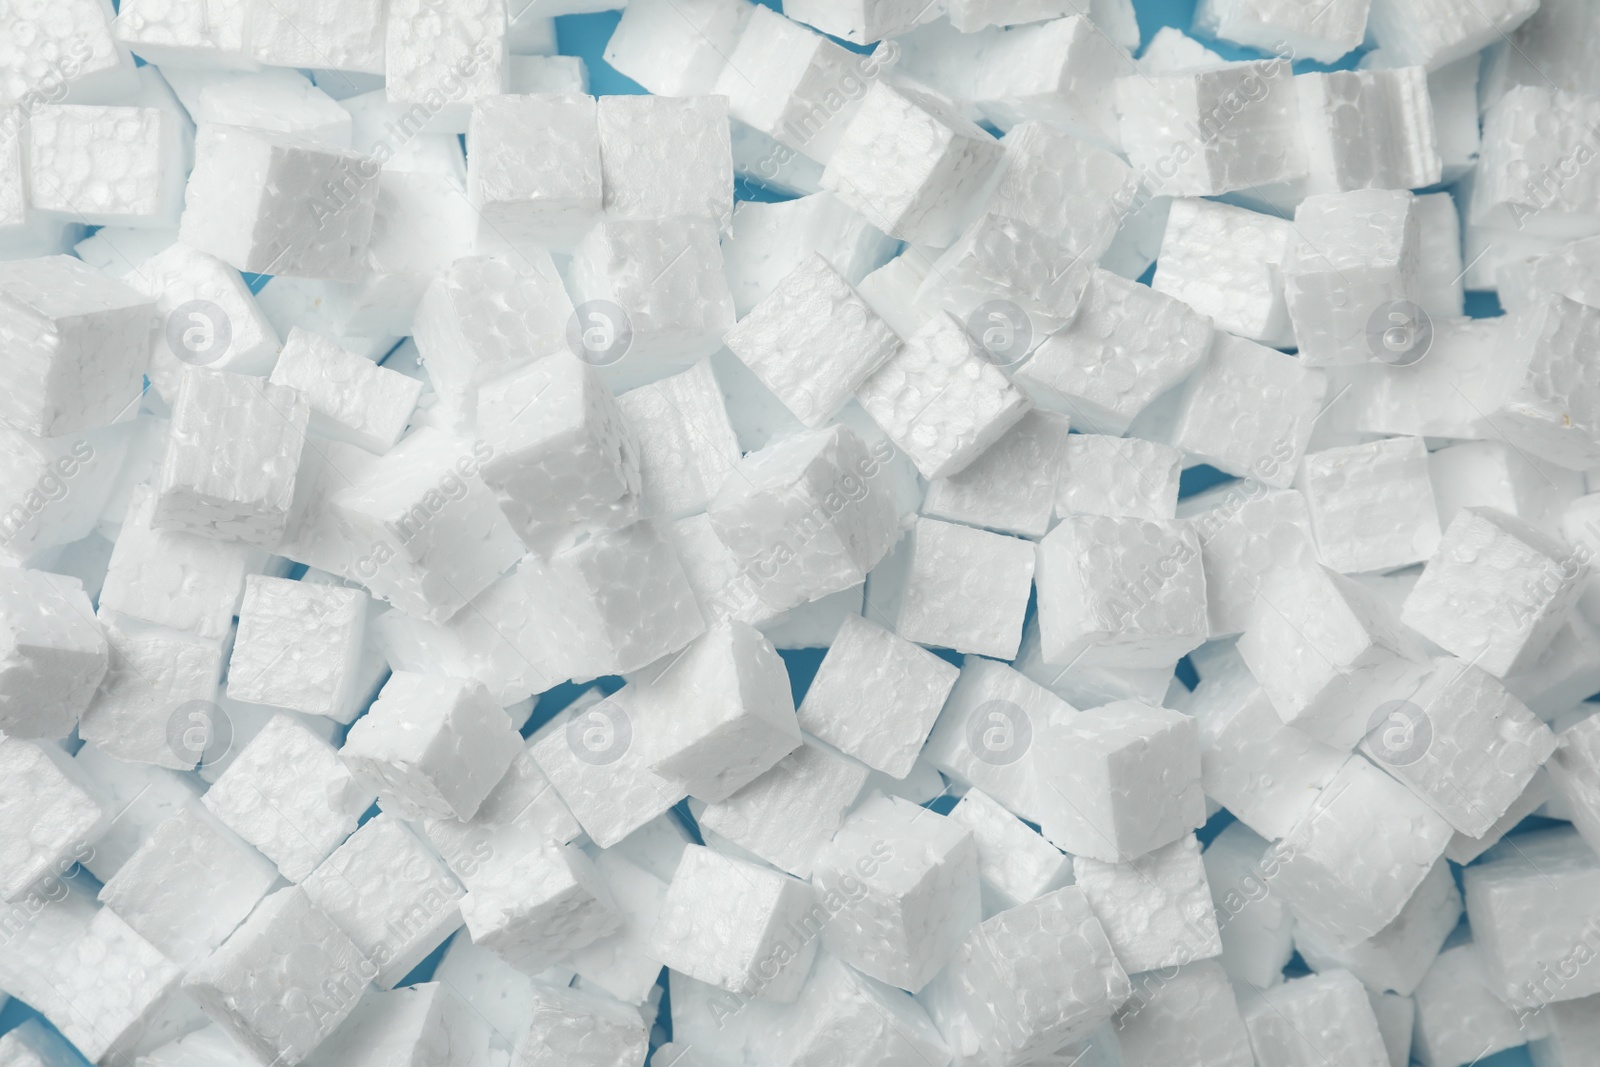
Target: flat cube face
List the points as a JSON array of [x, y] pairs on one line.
[[571, 1029], [876, 696], [1372, 506], [350, 398], [1559, 423], [1119, 477], [519, 815], [459, 54], [186, 33], [1066, 188], [813, 341], [41, 788], [1225, 262], [549, 185], [37, 64], [1249, 410], [231, 335], [298, 646], [1338, 105], [1323, 1003], [1246, 531], [687, 444], [1000, 254], [346, 35], [1156, 909], [51, 656], [1012, 487], [63, 139], [965, 589], [677, 52], [1014, 863], [535, 911], [662, 156], [1193, 1016], [1127, 345], [110, 975]]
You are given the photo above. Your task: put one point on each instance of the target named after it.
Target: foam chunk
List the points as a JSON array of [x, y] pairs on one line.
[[1156, 909], [1015, 864], [662, 156], [537, 909], [847, 1018], [740, 927], [350, 398], [1431, 33], [344, 36], [1119, 478], [288, 794], [1245, 531], [1294, 1023], [1458, 1015], [73, 148], [1560, 424], [1368, 129], [298, 646], [687, 446], [187, 34], [1011, 488], [458, 54], [1191, 1016], [620, 963], [1256, 927], [1071, 190], [1126, 345], [768, 242], [52, 814], [52, 655], [1226, 262], [955, 587], [1271, 24], [677, 50], [154, 674], [1371, 505], [282, 101], [410, 1026], [1088, 766], [581, 1030], [1398, 956], [76, 345]]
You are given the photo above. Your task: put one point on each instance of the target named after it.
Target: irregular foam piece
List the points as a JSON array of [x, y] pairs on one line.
[[186, 34], [875, 696], [284, 980], [743, 928], [344, 36], [1496, 592], [1294, 1024], [898, 890], [51, 811], [677, 50], [1156, 909], [1272, 24], [458, 54], [1119, 478], [1371, 505], [1119, 592], [519, 815], [1355, 264], [563, 455], [1530, 903], [1015, 864], [271, 203], [1061, 71], [1245, 530], [620, 963], [420, 1024], [1367, 129], [844, 1017], [1094, 769], [1397, 957], [141, 796], [662, 156], [577, 1029], [1328, 653], [768, 242], [350, 398], [153, 672], [1226, 262], [298, 646], [188, 885], [52, 654], [76, 343], [807, 515], [1547, 51], [729, 711], [666, 276], [537, 909], [1463, 744], [73, 149], [1353, 860], [687, 445], [288, 794], [1267, 774], [1068, 189], [911, 164], [424, 530], [390, 895], [1569, 269], [1127, 345], [282, 101], [1431, 33], [1011, 488], [430, 746], [1558, 423], [1459, 1017], [1255, 925], [721, 587], [1189, 1015], [1514, 189], [1037, 977], [941, 400], [534, 170], [813, 341], [1208, 132]]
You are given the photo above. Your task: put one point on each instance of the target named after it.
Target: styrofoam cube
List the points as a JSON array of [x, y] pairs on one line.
[[281, 101], [676, 50], [1371, 505], [1283, 1020], [807, 515], [350, 398], [31, 1045], [686, 444], [1245, 531], [1207, 132], [536, 910], [1015, 864], [663, 156], [1368, 129], [1459, 1017], [299, 646], [1156, 909], [1398, 956], [911, 164], [156, 676], [1062, 71], [52, 813], [1570, 1033], [1353, 270], [187, 34], [457, 54], [737, 926], [288, 794], [1431, 33], [1320, 35], [518, 816], [73, 149], [1496, 591], [272, 204], [52, 654], [412, 1025], [534, 170], [876, 696], [76, 341], [1494, 474], [141, 796], [1127, 345], [70, 47], [768, 242], [845, 1017], [346, 36], [898, 889], [1557, 423], [1012, 486], [1443, 394], [581, 1030], [1003, 270], [1328, 653], [1120, 592], [1118, 781], [1069, 189], [1187, 1014], [813, 341], [1118, 478], [284, 980], [189, 885], [1226, 263], [1037, 977], [390, 895], [1256, 927]]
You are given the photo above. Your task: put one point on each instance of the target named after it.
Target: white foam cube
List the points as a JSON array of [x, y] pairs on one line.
[[1012, 486], [1072, 190], [409, 1026], [1320, 35], [952, 586], [73, 50], [519, 815], [1283, 1019], [662, 156], [52, 654], [676, 51], [1525, 406], [74, 148], [288, 794], [298, 646], [875, 696], [1245, 531], [1030, 271], [737, 926], [845, 1017], [1119, 478], [52, 813], [620, 963], [1433, 34], [1458, 1015], [1062, 71], [1156, 909], [769, 241], [350, 398], [153, 673], [1088, 766], [1398, 956], [346, 36], [536, 910], [569, 1027], [1256, 927], [1126, 345], [898, 889], [1371, 505], [1184, 1014], [1368, 129], [686, 443], [1226, 262], [458, 54]]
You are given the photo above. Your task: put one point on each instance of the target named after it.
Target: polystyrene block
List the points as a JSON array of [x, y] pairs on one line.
[[444, 61], [1294, 1023], [1012, 486], [686, 443], [53, 813], [676, 49], [52, 654], [1397, 957], [537, 909], [1156, 909], [662, 156], [350, 398], [1271, 24], [298, 646]]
